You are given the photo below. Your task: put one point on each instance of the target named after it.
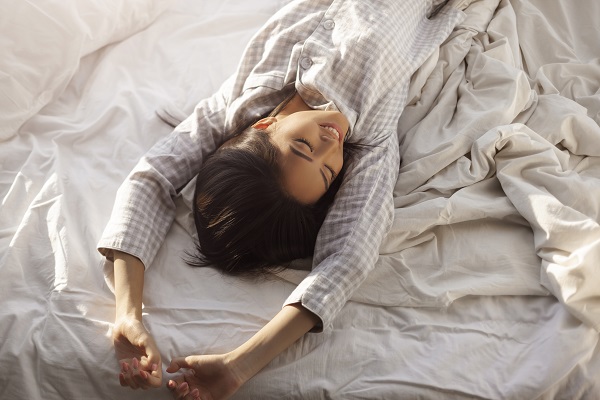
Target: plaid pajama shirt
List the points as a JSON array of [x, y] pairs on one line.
[[354, 56]]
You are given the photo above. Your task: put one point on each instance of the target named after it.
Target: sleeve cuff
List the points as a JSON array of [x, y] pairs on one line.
[[314, 294]]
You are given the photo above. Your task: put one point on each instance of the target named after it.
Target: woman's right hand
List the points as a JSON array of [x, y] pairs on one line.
[[138, 355]]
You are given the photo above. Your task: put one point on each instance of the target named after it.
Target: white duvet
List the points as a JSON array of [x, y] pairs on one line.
[[486, 286]]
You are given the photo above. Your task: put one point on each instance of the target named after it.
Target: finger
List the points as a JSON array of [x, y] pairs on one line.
[[176, 364], [152, 361], [139, 376], [173, 367], [173, 383], [130, 381], [133, 374], [151, 379], [193, 395], [181, 362], [182, 390], [122, 379], [143, 379], [127, 372]]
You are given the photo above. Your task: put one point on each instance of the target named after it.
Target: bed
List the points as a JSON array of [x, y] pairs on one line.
[[486, 286]]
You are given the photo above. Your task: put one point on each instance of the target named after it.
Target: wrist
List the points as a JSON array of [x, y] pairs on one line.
[[128, 311], [290, 324], [240, 367]]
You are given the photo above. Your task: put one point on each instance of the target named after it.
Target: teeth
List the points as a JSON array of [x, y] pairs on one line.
[[333, 130]]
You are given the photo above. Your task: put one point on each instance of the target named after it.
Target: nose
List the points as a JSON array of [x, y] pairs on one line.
[[327, 140]]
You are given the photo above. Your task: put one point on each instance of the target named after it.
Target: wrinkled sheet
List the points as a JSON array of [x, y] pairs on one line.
[[485, 285]]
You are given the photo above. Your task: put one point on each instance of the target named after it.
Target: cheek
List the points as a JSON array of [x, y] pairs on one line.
[[302, 180], [341, 160]]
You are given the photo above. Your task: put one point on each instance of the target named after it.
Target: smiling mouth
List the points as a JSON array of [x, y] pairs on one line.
[[334, 130]]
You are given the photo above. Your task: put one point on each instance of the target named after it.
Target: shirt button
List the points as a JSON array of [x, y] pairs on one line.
[[329, 24], [306, 63]]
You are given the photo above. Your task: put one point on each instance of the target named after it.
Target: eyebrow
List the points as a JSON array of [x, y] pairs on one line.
[[307, 158]]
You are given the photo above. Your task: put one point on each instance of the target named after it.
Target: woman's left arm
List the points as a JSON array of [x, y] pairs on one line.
[[219, 376]]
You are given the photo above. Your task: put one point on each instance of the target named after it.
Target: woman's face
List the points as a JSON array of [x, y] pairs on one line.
[[311, 150]]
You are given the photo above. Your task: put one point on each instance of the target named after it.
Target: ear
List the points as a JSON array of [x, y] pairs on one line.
[[264, 123]]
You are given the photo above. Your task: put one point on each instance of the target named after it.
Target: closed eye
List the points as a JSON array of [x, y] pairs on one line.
[[333, 174], [311, 148], [301, 154], [306, 142]]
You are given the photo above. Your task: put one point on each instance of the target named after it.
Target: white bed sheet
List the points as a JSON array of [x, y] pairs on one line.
[[458, 307]]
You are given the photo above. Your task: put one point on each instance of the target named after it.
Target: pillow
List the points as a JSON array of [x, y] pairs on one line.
[[42, 42]]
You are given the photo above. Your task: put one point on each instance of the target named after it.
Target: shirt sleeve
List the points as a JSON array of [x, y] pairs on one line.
[[144, 208], [349, 240]]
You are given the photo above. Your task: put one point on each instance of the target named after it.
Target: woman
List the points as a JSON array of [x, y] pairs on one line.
[[350, 63]]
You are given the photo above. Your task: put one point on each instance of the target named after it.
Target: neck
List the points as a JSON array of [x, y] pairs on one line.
[[295, 104]]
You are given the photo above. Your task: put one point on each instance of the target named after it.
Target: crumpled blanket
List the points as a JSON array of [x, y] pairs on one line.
[[499, 186]]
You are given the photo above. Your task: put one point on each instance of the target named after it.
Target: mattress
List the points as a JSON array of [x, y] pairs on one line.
[[486, 286]]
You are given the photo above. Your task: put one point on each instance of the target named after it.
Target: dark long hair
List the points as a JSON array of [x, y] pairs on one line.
[[247, 224]]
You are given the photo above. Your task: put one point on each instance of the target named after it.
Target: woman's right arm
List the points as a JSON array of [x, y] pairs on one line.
[[144, 211], [144, 207], [129, 285], [135, 348]]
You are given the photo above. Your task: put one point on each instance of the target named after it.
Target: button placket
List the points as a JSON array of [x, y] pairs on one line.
[[329, 24], [306, 62]]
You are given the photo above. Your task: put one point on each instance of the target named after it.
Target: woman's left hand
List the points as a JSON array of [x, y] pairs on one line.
[[211, 377]]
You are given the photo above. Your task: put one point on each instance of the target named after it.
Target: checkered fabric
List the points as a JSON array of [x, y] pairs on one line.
[[355, 56]]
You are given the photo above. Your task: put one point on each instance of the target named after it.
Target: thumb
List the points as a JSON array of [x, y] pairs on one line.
[[179, 362], [152, 361], [152, 364]]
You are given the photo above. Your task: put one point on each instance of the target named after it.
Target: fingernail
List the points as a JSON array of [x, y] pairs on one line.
[[144, 374], [135, 363], [171, 384], [125, 367], [154, 367], [183, 386]]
